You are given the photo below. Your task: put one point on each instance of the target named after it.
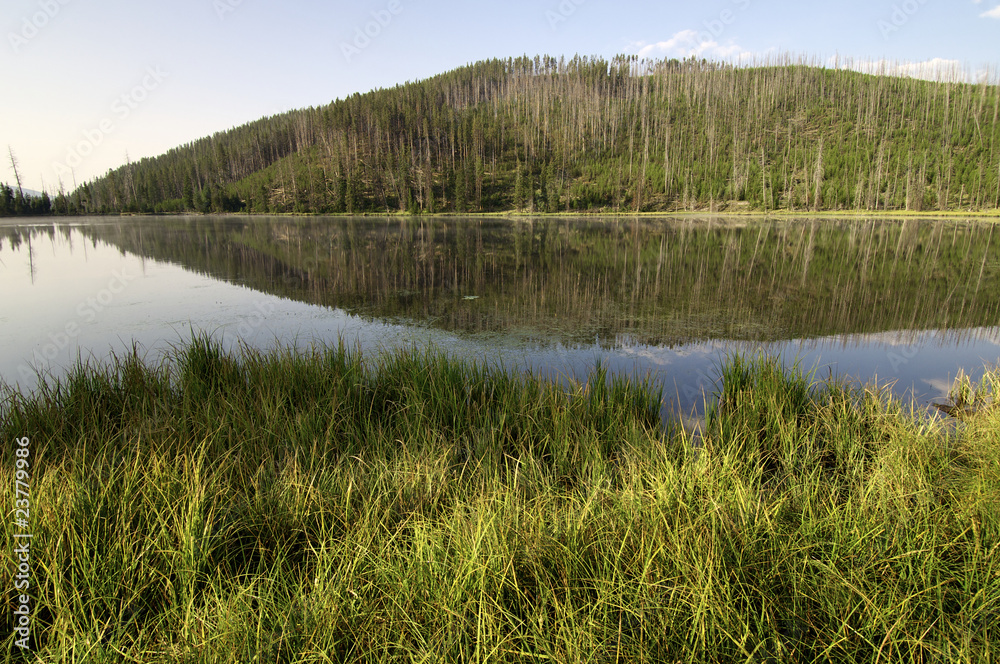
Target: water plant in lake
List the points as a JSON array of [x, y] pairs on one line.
[[968, 400]]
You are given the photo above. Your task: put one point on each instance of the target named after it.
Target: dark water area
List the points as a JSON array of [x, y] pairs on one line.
[[906, 302]]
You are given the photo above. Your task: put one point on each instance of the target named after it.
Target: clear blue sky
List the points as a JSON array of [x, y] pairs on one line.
[[87, 81]]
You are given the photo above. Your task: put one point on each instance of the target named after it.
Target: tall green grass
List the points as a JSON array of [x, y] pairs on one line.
[[333, 507]]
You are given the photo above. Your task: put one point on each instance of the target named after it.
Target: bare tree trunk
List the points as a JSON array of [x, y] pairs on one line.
[[13, 165], [818, 178]]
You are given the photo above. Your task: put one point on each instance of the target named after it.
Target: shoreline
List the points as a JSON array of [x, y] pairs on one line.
[[247, 503], [512, 214]]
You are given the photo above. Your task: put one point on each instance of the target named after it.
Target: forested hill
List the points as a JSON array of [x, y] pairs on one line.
[[546, 135]]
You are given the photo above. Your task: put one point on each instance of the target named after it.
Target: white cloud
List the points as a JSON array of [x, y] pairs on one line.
[[936, 69], [940, 386], [688, 43], [993, 13]]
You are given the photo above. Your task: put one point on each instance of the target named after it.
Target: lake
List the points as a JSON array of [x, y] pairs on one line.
[[906, 302]]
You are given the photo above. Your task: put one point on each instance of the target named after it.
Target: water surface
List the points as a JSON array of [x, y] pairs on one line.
[[908, 302]]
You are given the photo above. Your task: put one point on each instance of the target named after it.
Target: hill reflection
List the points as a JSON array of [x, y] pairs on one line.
[[662, 282]]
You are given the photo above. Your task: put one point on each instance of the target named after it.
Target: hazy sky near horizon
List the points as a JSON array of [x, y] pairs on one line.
[[89, 81]]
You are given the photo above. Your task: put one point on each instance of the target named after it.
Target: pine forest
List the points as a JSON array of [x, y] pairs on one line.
[[585, 134]]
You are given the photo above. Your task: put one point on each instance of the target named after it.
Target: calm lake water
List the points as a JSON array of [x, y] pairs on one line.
[[908, 302]]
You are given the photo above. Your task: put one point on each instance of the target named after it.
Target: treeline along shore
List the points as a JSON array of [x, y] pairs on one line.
[[548, 134]]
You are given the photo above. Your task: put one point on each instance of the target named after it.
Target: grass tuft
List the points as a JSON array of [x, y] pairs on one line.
[[238, 507]]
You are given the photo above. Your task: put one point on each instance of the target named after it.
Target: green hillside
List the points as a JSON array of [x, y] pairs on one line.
[[546, 134]]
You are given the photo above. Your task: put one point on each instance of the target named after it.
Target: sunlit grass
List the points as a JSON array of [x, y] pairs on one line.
[[332, 507]]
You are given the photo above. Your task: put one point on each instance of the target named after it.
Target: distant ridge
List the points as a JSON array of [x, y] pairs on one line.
[[587, 134], [33, 203], [28, 193]]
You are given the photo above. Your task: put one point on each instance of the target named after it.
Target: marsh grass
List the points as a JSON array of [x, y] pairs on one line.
[[332, 507]]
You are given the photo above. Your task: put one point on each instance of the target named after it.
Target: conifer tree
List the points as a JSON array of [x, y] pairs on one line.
[[589, 133]]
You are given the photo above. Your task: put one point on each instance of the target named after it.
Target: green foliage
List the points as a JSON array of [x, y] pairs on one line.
[[622, 135], [15, 204], [761, 399], [250, 507]]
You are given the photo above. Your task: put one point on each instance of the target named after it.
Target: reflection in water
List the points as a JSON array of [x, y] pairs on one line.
[[659, 281], [668, 295]]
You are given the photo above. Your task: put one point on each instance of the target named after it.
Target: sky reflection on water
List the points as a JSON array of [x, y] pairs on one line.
[[67, 294]]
